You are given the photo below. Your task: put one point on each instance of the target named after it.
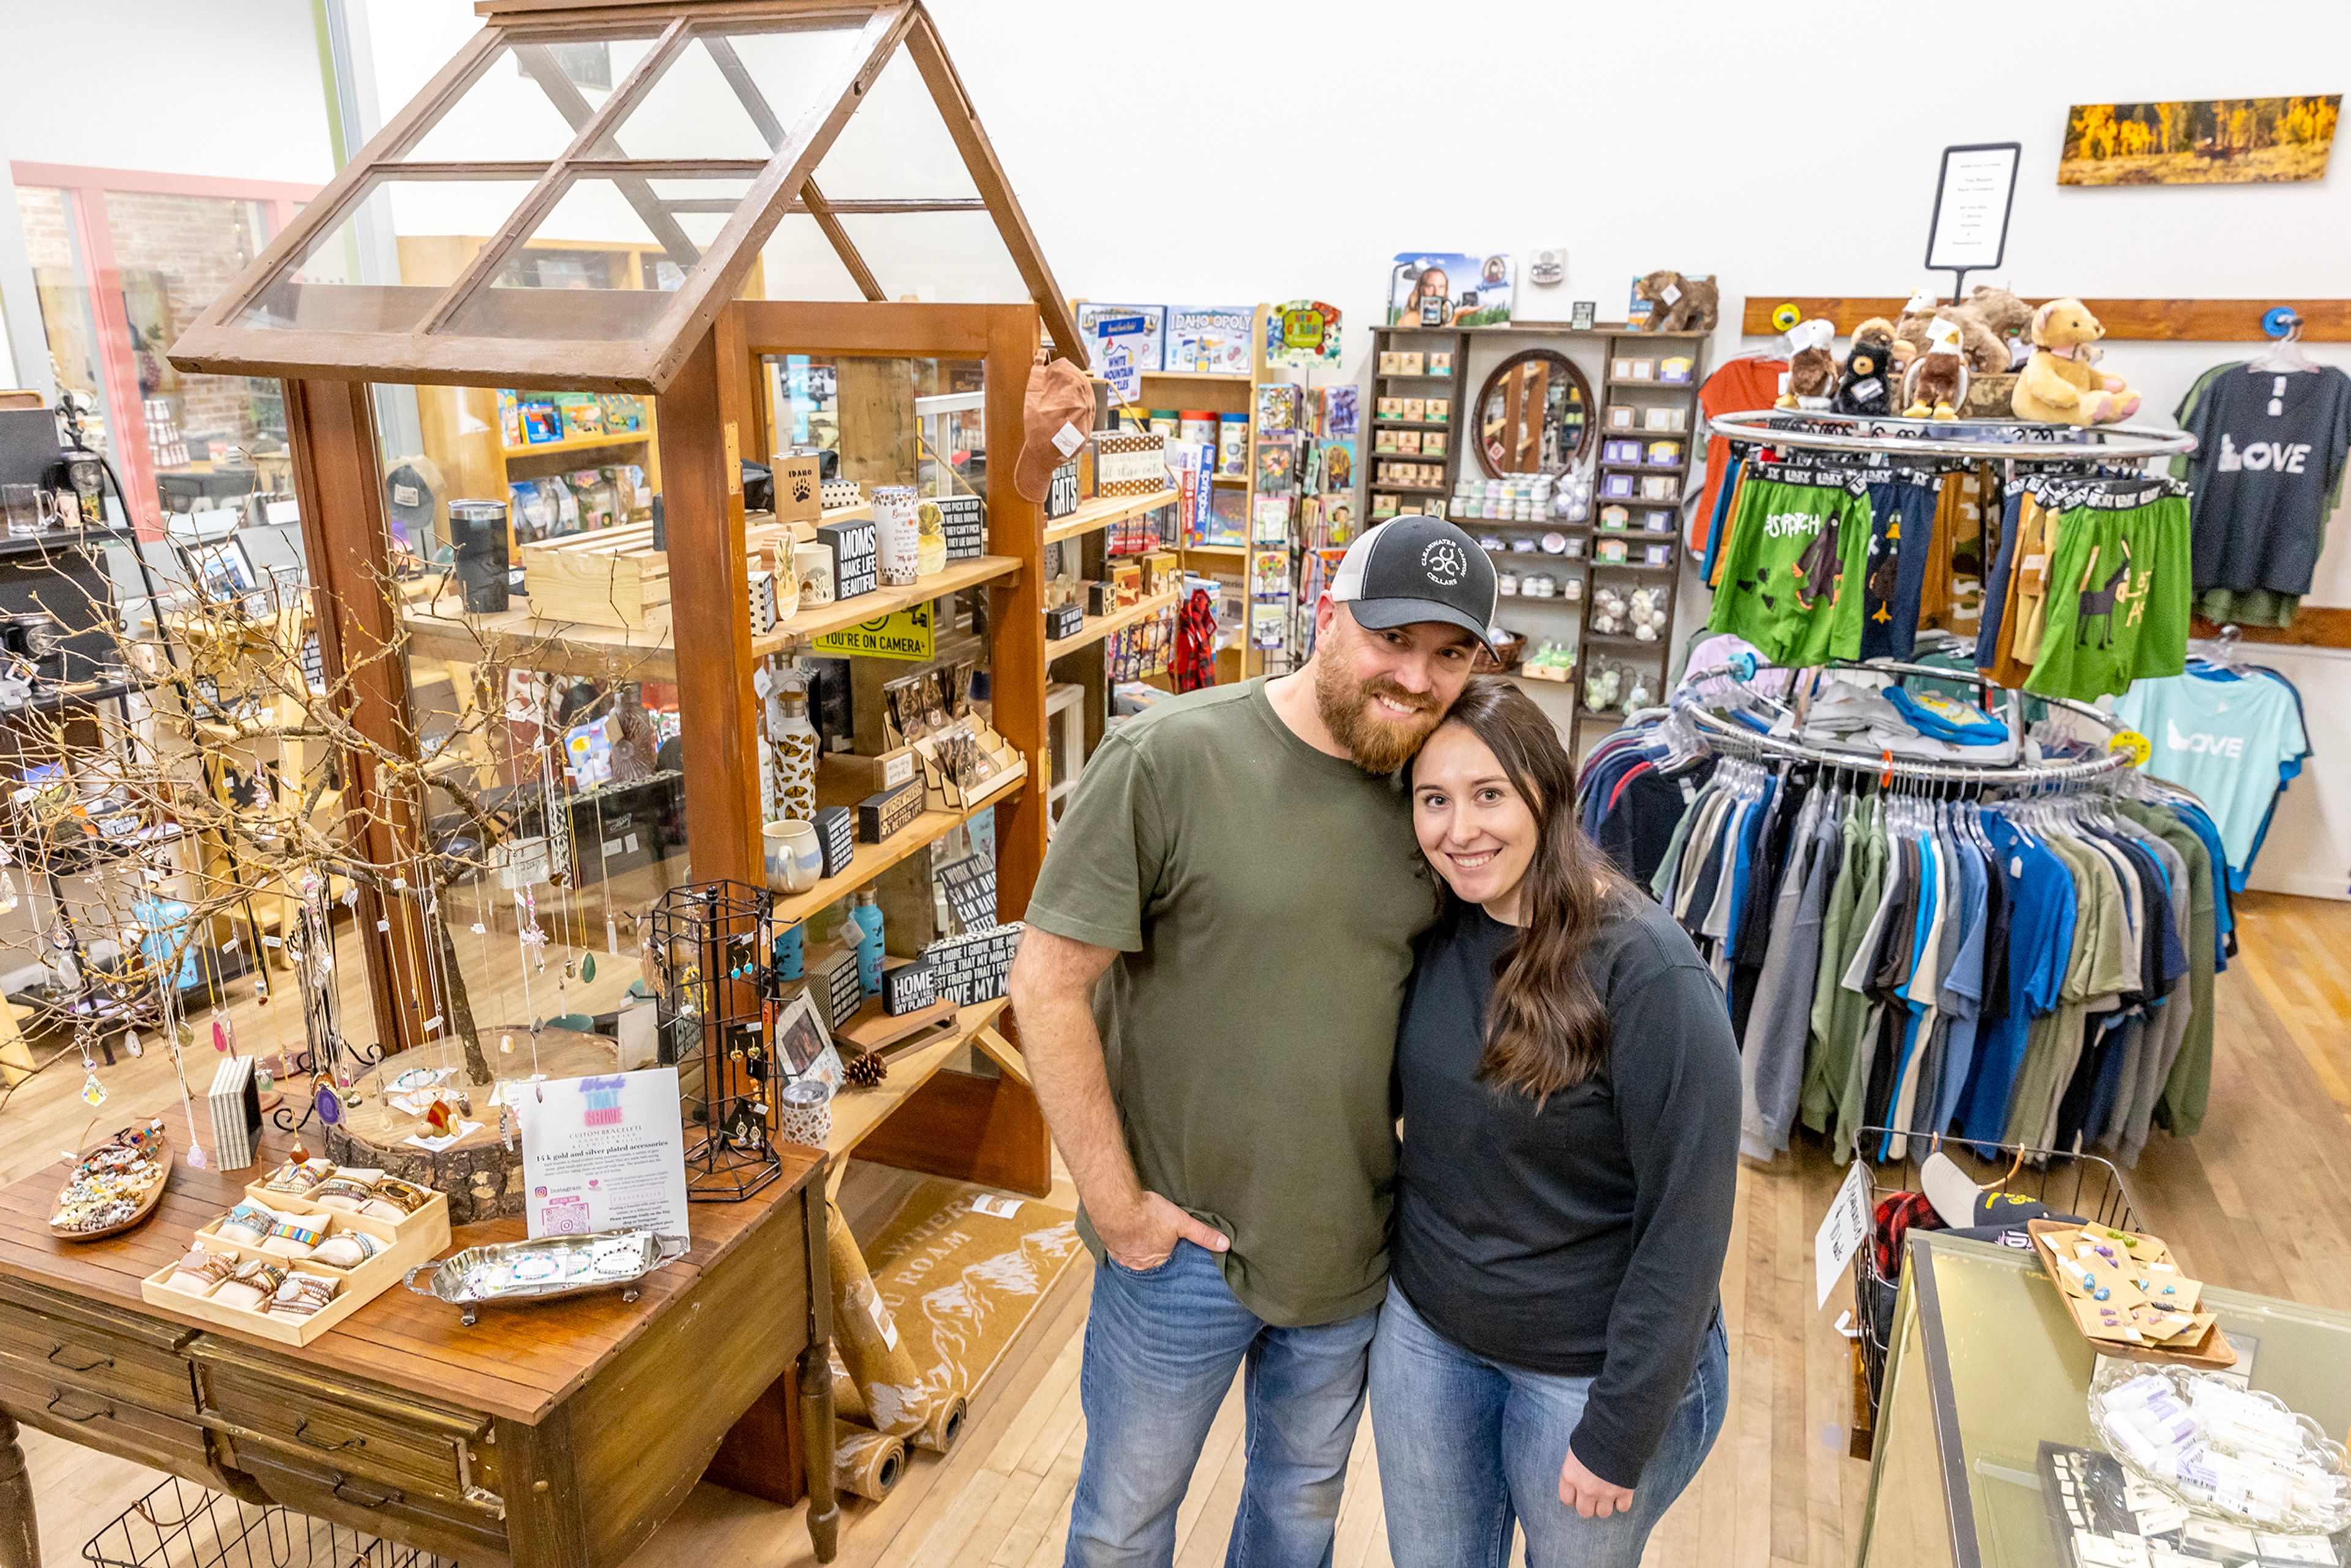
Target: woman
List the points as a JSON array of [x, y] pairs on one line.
[[1551, 1350]]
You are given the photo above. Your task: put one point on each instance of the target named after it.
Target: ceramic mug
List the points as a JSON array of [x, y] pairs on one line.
[[795, 857]]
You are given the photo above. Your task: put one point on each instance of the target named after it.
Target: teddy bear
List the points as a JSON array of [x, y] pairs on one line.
[[1937, 381], [1862, 385], [1679, 303], [2061, 384], [1811, 368]]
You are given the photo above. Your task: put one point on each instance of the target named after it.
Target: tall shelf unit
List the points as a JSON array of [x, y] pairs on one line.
[[1598, 353], [1450, 385]]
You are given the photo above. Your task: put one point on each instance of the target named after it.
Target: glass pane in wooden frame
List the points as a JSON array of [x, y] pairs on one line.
[[383, 264], [530, 101]]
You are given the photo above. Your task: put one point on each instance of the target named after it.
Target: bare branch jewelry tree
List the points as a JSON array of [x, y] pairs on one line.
[[223, 791]]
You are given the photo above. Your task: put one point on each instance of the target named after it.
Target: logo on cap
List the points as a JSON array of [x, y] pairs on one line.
[[1445, 562]]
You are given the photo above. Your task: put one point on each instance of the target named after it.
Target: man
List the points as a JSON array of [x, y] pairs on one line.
[[1237, 868]]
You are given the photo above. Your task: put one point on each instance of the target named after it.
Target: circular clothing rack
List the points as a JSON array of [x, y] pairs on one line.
[[2014, 440], [1719, 733]]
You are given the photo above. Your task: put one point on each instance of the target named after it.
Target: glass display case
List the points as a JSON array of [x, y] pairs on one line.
[[1987, 1380]]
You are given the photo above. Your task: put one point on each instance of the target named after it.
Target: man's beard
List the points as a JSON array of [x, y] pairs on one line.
[[1377, 742]]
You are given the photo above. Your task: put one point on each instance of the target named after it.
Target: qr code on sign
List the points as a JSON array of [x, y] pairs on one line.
[[563, 1216]]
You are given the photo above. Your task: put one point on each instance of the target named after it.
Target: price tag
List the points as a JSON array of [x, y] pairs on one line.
[[1843, 1230], [2131, 740]]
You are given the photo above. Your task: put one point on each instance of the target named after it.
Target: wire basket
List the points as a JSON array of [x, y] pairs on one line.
[[2084, 1186], [182, 1525]]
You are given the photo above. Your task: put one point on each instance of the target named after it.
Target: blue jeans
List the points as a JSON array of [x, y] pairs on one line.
[[1467, 1447], [1162, 1347]]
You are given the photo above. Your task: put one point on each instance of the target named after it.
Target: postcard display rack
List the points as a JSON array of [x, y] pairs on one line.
[[959, 1106], [1648, 433]]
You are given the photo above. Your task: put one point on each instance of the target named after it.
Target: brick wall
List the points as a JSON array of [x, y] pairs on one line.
[[176, 253]]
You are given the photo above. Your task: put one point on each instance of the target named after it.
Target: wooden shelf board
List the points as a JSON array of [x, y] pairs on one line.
[[1228, 478], [1415, 423], [857, 1112], [1104, 511], [1228, 377], [1219, 550], [816, 620], [1417, 489], [1646, 467], [1097, 627], [870, 860], [1652, 384], [1618, 640], [579, 444], [1632, 566]]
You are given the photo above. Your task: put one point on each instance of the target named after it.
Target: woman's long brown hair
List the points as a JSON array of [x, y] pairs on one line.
[[1545, 1029]]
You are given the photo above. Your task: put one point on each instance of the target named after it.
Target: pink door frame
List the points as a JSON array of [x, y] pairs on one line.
[[84, 190]]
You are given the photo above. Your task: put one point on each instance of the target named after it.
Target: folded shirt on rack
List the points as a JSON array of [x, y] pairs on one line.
[[1845, 715], [1931, 714]]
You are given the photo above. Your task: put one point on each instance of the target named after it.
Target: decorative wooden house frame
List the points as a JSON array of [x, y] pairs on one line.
[[702, 351], [288, 316]]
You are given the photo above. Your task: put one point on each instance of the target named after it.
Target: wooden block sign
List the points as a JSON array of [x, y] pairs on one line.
[[970, 885], [971, 967], [853, 561], [800, 493], [964, 519]]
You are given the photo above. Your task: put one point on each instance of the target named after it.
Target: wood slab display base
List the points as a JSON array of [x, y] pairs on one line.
[[481, 1176]]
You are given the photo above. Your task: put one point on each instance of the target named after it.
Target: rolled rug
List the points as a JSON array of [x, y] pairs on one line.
[[865, 1461], [942, 1425], [877, 1359], [848, 1399]]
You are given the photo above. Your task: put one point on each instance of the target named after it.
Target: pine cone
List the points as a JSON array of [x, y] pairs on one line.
[[864, 1072]]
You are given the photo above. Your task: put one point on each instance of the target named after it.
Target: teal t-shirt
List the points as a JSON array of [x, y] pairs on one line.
[[2231, 740]]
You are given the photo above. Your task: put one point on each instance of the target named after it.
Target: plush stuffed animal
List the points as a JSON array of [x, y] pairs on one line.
[[1910, 328], [2006, 317], [1811, 368], [1862, 384], [1937, 381], [1914, 332], [1679, 303], [2061, 384]]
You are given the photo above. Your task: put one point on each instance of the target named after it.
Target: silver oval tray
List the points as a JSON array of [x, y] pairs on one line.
[[545, 1269]]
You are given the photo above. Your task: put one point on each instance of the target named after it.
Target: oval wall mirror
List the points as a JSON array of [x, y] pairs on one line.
[[1534, 414]]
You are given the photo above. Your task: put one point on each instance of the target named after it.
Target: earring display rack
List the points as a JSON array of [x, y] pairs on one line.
[[708, 943]]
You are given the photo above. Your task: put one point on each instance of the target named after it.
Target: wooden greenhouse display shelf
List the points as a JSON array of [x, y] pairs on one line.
[[1097, 627], [748, 1378], [1103, 511]]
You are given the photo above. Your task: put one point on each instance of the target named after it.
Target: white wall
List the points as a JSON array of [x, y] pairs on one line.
[[1248, 150]]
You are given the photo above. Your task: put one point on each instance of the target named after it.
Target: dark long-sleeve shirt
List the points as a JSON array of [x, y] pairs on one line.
[[1583, 1239]]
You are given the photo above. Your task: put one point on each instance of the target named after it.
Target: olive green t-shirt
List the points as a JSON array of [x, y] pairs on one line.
[[1263, 897]]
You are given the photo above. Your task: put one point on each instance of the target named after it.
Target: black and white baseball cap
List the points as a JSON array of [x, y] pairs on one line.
[[1416, 567]]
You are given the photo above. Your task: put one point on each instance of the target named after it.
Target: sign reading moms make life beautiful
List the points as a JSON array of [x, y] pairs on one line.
[[603, 1154]]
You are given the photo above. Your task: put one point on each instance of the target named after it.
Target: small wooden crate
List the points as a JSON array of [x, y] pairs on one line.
[[418, 1239], [613, 577]]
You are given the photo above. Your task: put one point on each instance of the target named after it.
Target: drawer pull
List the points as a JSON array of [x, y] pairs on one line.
[[58, 1350], [302, 1426], [60, 1396], [348, 1493]]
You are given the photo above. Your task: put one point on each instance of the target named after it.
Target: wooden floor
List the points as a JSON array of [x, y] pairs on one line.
[[2260, 1201]]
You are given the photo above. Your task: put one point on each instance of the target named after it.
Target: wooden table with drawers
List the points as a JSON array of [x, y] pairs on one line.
[[562, 1433]]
